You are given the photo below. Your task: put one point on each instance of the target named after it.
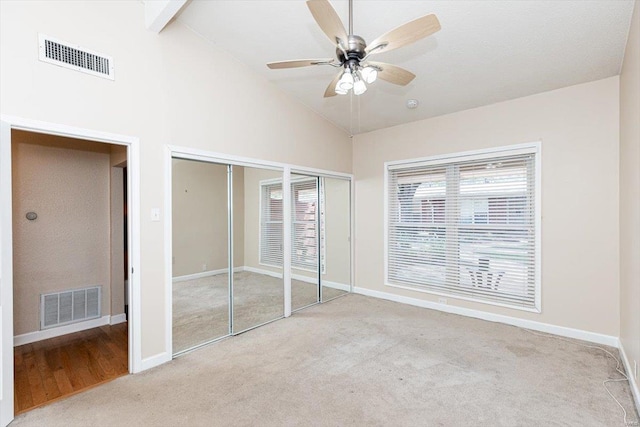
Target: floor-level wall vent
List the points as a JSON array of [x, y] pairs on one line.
[[76, 58], [62, 308]]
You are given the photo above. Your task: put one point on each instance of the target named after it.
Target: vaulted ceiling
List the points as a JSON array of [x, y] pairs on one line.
[[486, 51]]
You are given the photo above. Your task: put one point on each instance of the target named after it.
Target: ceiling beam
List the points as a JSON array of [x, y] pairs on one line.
[[158, 13]]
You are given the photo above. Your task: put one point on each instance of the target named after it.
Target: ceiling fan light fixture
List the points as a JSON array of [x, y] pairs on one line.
[[351, 50], [341, 91], [369, 74], [359, 87], [346, 82]]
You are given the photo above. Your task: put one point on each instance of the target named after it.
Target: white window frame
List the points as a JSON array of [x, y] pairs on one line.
[[319, 220], [534, 148]]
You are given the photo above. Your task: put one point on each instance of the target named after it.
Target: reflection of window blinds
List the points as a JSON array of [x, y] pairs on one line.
[[465, 228], [271, 225], [304, 253]]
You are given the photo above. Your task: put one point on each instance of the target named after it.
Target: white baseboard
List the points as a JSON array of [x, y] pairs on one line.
[[336, 285], [633, 383], [199, 275], [262, 271], [153, 361], [118, 318], [522, 323], [327, 283], [299, 277], [31, 337]]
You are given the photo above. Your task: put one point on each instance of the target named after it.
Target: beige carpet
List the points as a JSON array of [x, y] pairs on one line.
[[363, 362], [201, 306]]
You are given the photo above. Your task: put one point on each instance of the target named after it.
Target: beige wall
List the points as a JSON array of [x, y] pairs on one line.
[[578, 127], [200, 227], [171, 88], [66, 182], [630, 193]]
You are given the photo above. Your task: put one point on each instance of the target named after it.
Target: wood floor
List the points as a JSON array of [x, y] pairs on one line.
[[48, 370]]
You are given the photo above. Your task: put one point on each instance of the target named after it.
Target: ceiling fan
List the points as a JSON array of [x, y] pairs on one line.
[[352, 52]]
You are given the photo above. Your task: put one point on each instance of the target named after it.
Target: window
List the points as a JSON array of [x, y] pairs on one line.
[[306, 223], [466, 226]]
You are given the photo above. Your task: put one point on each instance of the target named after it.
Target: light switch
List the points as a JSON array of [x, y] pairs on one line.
[[155, 214]]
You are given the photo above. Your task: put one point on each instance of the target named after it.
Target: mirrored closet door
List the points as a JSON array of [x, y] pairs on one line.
[[228, 225], [336, 241], [257, 287], [306, 234], [200, 253]]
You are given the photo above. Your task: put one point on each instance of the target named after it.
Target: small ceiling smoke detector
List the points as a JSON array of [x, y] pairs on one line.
[[412, 104]]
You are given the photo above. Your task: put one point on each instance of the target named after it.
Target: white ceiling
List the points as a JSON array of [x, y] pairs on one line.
[[486, 52]]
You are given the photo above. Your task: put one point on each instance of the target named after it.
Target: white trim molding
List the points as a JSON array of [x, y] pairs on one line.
[[31, 337], [202, 274], [300, 277], [117, 319], [153, 361], [483, 315], [633, 383], [133, 178]]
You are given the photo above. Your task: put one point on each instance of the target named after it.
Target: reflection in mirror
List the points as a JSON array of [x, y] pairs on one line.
[[258, 287], [200, 253], [336, 250], [305, 245]]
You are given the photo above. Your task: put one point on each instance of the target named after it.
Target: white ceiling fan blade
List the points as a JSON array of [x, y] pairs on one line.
[[331, 89], [393, 74], [405, 34], [329, 21], [298, 63]]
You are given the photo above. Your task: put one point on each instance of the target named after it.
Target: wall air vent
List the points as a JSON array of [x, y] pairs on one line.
[[62, 308], [74, 57]]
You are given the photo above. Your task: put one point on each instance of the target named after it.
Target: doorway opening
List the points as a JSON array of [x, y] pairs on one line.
[[70, 268]]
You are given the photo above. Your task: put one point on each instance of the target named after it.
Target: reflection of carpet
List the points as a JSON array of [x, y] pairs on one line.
[[201, 306]]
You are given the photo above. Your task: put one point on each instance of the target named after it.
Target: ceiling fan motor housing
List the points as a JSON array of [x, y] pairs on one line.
[[355, 50]]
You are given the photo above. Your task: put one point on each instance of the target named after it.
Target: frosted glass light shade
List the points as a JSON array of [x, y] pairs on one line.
[[345, 82], [359, 87], [369, 74]]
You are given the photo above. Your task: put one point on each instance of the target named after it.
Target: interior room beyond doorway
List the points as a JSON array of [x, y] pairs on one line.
[[70, 275]]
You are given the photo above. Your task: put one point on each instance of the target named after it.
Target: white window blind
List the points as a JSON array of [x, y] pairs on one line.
[[271, 224], [304, 253], [465, 228], [306, 222]]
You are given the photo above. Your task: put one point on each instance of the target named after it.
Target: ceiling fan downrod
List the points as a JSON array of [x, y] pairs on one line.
[[354, 75]]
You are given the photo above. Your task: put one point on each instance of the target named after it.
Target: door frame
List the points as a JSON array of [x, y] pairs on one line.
[[9, 123], [188, 153]]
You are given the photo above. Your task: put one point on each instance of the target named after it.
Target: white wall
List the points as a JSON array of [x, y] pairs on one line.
[[578, 127], [630, 194], [171, 88], [66, 183]]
